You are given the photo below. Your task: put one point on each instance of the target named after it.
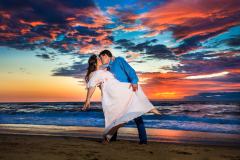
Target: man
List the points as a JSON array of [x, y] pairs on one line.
[[124, 73]]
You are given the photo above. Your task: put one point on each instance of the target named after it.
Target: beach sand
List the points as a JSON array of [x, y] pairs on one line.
[[48, 142], [41, 147]]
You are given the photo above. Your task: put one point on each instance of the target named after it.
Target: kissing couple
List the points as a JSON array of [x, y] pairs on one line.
[[122, 97]]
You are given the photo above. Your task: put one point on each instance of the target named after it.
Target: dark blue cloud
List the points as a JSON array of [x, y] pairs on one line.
[[148, 47], [48, 11], [77, 70], [216, 96], [194, 42], [210, 66], [44, 56], [233, 41], [86, 31]]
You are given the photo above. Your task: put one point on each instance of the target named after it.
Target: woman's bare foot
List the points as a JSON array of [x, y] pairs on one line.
[[155, 111], [106, 139]]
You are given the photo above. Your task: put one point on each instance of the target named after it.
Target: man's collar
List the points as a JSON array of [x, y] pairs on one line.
[[111, 60]]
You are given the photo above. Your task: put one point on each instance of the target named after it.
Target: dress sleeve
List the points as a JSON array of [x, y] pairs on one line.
[[95, 80]]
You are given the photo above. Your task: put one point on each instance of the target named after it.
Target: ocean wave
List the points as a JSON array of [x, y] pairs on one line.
[[201, 117]]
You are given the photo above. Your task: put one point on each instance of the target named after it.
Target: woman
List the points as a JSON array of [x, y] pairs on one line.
[[120, 104]]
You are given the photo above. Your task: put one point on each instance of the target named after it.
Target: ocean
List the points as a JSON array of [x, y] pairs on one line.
[[221, 117]]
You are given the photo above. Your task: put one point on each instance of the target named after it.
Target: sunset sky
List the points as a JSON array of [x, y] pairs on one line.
[[179, 48]]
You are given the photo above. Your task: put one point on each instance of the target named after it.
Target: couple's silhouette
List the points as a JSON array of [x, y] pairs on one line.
[[122, 97]]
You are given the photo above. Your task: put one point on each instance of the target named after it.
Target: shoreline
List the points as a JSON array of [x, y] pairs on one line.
[[130, 134], [39, 147]]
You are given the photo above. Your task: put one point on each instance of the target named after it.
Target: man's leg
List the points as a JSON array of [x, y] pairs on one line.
[[141, 130], [114, 137]]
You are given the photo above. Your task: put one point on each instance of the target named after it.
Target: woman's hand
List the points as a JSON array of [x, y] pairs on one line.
[[86, 105], [89, 95]]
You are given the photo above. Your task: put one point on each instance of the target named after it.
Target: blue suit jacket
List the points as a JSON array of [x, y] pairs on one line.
[[123, 71]]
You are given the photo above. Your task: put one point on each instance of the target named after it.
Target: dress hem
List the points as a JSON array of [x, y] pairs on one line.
[[124, 119]]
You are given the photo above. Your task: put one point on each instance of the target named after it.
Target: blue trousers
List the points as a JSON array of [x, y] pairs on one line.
[[141, 130]]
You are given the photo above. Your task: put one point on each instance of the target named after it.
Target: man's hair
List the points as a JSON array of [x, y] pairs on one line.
[[105, 52]]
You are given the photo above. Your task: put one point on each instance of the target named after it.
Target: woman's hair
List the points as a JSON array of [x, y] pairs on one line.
[[92, 65]]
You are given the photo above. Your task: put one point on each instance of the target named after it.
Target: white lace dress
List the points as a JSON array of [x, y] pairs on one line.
[[120, 104]]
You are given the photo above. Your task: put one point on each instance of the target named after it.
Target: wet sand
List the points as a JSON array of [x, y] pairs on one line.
[[155, 135], [40, 147], [37, 142]]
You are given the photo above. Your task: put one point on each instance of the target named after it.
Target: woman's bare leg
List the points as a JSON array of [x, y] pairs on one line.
[[107, 137]]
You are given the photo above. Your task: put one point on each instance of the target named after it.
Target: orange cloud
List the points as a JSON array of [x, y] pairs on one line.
[[98, 19], [3, 27], [24, 30], [111, 10], [33, 24], [5, 14], [134, 28], [172, 85], [37, 38], [188, 18], [234, 70]]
